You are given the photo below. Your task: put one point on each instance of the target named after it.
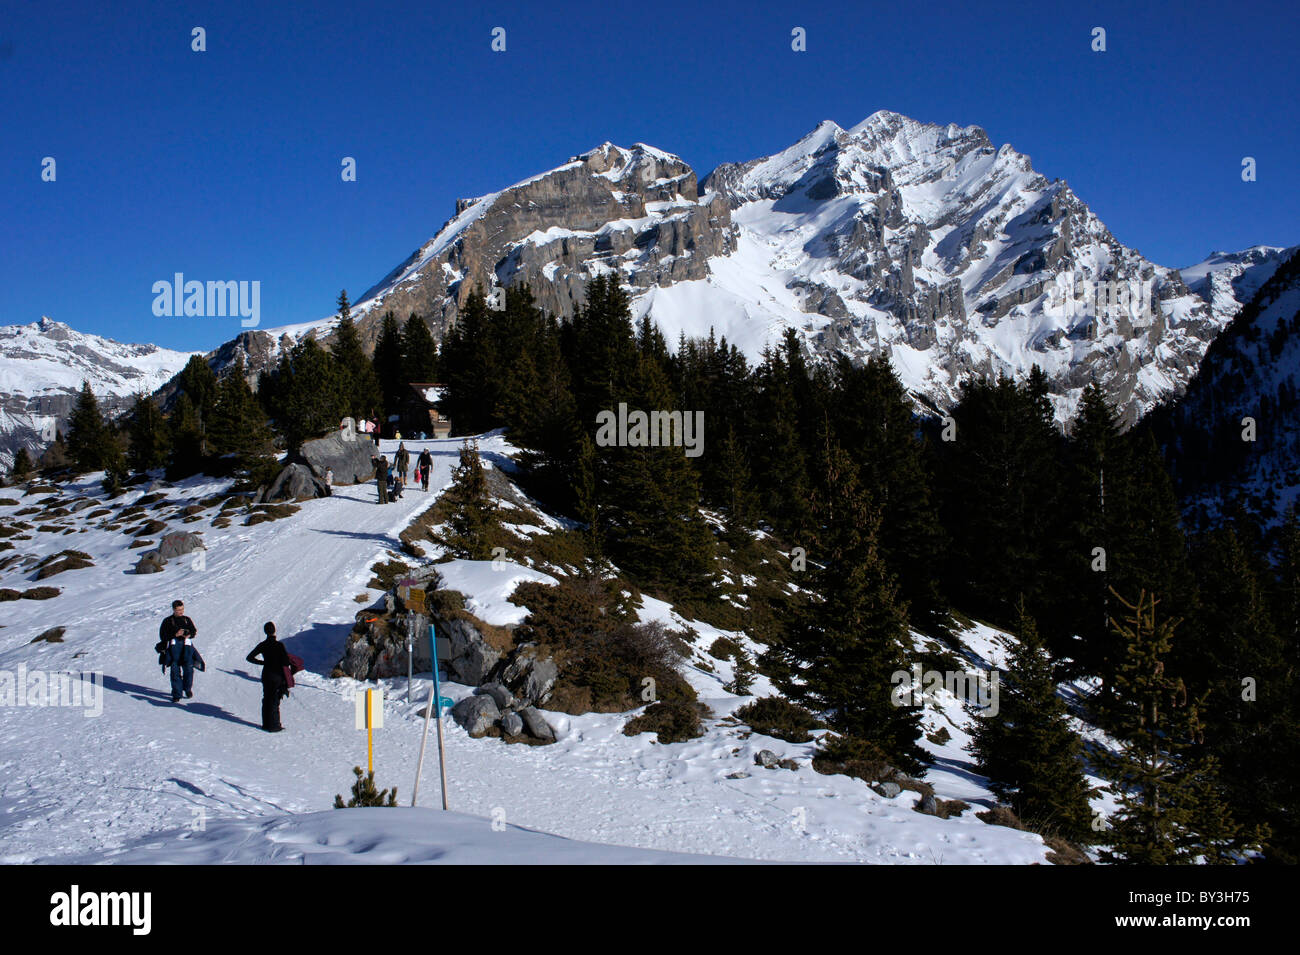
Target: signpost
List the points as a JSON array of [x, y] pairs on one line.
[[370, 717], [435, 704]]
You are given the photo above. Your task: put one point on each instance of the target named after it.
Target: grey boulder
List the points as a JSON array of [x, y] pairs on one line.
[[504, 699], [476, 714], [536, 724], [512, 724], [178, 543]]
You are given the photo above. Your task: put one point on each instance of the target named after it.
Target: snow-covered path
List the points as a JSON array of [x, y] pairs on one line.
[[72, 785]]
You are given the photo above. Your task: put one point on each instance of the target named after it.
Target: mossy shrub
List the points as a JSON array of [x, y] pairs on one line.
[[779, 718], [673, 722]]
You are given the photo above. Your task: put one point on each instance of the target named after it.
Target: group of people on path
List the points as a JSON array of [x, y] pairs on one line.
[[391, 479], [176, 649]]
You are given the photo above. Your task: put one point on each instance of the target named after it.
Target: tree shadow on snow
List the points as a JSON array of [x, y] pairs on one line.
[[386, 539]]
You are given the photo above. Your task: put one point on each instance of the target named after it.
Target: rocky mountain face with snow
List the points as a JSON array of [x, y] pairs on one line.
[[1236, 430], [951, 255], [928, 242], [1228, 280], [42, 366]]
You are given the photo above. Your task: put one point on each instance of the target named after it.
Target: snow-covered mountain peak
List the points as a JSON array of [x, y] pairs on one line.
[[44, 364]]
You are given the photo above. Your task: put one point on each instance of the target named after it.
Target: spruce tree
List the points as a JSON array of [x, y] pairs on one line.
[[1171, 807], [840, 655], [473, 527], [1033, 760], [89, 436], [390, 364], [310, 394], [185, 436], [114, 463], [239, 428], [359, 385], [22, 466], [420, 355], [150, 440], [470, 369], [652, 525]]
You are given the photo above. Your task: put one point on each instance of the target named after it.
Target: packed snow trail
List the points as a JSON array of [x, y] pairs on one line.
[[202, 771]]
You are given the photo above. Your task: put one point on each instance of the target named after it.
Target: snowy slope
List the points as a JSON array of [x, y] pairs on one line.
[[42, 366], [201, 781]]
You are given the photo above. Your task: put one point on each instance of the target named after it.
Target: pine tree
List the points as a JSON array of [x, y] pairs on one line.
[[1171, 806], [185, 436], [652, 525], [310, 397], [473, 527], [389, 363], [840, 656], [89, 436], [22, 466], [114, 463], [1282, 789], [359, 385], [150, 441], [470, 369], [1027, 750], [239, 428], [873, 419], [420, 355], [366, 793]]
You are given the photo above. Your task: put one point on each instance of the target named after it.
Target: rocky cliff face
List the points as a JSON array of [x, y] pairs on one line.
[[926, 242], [634, 211]]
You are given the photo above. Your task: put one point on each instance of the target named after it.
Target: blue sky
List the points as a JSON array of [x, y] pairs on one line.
[[225, 164]]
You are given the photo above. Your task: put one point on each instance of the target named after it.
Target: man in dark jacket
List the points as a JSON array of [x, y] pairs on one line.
[[425, 463], [176, 633], [273, 657], [403, 461], [381, 477]]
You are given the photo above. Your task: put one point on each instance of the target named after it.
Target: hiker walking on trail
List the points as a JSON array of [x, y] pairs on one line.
[[176, 649], [275, 663], [425, 463], [381, 477], [403, 461]]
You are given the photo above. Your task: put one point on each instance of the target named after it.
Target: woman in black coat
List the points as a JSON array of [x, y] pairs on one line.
[[273, 657]]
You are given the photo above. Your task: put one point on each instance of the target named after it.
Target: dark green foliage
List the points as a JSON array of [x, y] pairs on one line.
[[999, 482], [875, 424], [1171, 805], [360, 387], [473, 527], [238, 428], [419, 352], [779, 718], [364, 792], [390, 366], [309, 394], [150, 440], [673, 722], [22, 465], [90, 438], [1027, 750], [839, 656], [607, 661]]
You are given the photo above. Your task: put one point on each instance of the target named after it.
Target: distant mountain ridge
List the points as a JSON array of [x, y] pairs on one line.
[[42, 366]]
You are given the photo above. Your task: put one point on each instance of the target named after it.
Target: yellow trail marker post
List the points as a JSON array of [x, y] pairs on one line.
[[370, 717]]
